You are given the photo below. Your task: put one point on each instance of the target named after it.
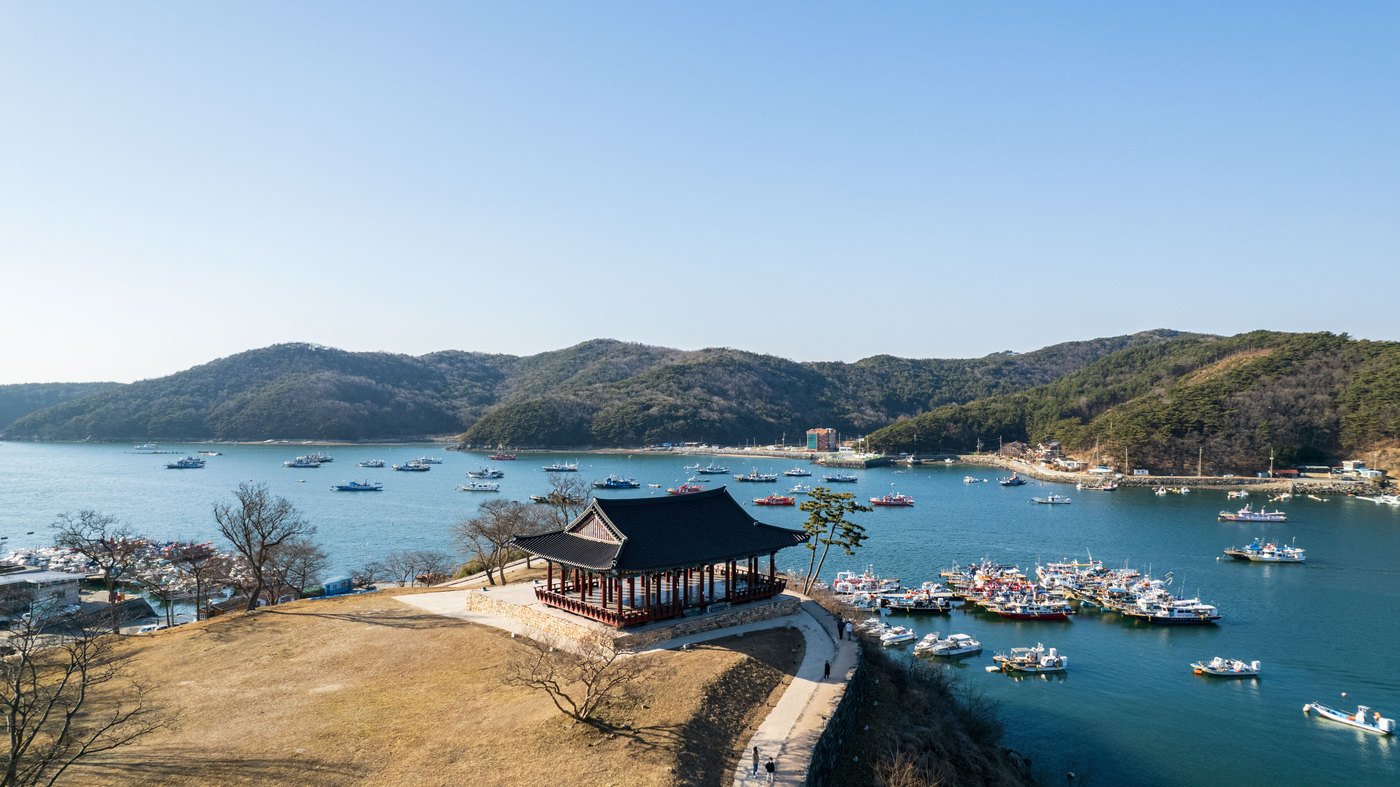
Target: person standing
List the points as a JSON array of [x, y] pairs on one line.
[[826, 670], [850, 630], [771, 768], [755, 762], [840, 629]]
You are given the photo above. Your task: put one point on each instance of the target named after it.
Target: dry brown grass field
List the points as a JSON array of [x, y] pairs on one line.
[[367, 690]]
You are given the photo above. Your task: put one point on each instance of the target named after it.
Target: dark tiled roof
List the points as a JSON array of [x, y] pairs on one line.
[[665, 532]]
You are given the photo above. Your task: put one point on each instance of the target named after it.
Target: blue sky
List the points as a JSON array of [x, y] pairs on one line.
[[819, 181]]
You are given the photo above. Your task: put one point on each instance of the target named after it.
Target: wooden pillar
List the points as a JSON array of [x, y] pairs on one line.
[[712, 583], [618, 603], [632, 592], [549, 575], [685, 590], [583, 588], [646, 591], [772, 566]]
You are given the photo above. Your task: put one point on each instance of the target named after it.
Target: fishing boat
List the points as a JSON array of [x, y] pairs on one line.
[[1160, 491], [502, 456], [428, 460], [1164, 609], [1032, 661], [711, 469], [897, 635], [556, 499], [967, 479], [413, 467], [849, 582], [1267, 553], [485, 472], [1247, 514], [797, 472], [1051, 500], [893, 500], [302, 462], [187, 463], [359, 486], [479, 486], [953, 645], [1238, 494], [210, 453], [1031, 609], [372, 463], [616, 482], [1226, 668], [562, 467], [799, 489], [840, 478], [755, 477], [775, 500], [1364, 719], [685, 489], [1103, 485], [1012, 480], [145, 447], [317, 456]]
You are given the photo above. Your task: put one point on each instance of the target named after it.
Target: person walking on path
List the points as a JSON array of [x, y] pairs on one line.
[[771, 768], [840, 629], [826, 670], [850, 633], [755, 762]]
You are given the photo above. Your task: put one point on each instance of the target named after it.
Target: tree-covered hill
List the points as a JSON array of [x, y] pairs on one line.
[[17, 401], [598, 393], [1233, 401]]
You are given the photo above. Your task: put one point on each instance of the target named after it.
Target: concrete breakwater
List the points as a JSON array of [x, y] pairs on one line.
[[1315, 486]]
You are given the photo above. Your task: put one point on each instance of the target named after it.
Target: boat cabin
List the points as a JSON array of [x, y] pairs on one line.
[[631, 561]]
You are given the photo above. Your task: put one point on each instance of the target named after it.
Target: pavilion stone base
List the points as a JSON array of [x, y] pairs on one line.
[[523, 608]]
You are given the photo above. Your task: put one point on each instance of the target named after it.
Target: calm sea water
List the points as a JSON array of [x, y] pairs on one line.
[[1128, 712]]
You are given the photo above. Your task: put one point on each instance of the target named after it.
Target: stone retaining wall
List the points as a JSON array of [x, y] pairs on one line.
[[557, 625], [832, 743]]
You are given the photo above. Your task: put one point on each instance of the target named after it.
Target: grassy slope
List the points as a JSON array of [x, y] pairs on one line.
[[365, 689]]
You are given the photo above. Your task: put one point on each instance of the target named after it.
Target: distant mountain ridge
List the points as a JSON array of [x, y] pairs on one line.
[[1228, 402], [17, 401], [597, 393]]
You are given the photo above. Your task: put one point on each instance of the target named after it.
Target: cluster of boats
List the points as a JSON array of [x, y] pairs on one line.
[[1125, 591], [1006, 592]]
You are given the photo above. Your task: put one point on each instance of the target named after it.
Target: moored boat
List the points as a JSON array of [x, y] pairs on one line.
[[186, 463], [1226, 668], [685, 489], [428, 460], [617, 482], [562, 467], [1051, 500], [1012, 480], [897, 635], [755, 477], [775, 500], [841, 478], [893, 500], [485, 472], [413, 467], [1034, 661], [1364, 719], [502, 456], [953, 645], [372, 463], [799, 489], [302, 462], [1267, 553], [967, 479], [1247, 514], [797, 472], [359, 486], [479, 486], [711, 469]]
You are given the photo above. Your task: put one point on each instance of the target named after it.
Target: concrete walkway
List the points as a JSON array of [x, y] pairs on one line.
[[789, 733]]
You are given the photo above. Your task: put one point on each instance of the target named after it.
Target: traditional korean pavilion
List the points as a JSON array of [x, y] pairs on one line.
[[630, 561]]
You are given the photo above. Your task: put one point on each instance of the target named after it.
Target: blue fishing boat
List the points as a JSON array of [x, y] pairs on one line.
[[359, 486]]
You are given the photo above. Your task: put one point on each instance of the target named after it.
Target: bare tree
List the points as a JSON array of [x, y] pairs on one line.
[[203, 566], [488, 534], [400, 566], [108, 545], [367, 574], [581, 681], [294, 566], [256, 526], [567, 498], [430, 565], [56, 708]]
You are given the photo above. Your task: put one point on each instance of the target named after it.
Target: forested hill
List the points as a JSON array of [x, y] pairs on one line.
[[598, 393], [17, 401], [1305, 397]]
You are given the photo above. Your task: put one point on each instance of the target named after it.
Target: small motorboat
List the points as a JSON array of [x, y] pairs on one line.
[[359, 486], [799, 489], [967, 479], [1267, 553], [479, 486], [428, 460], [372, 463], [775, 500], [187, 463], [954, 645], [897, 635], [1160, 491], [1012, 480], [1226, 668], [1051, 500], [486, 473], [797, 472], [1365, 718]]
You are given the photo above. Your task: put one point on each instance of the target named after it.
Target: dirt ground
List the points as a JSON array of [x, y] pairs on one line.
[[367, 690]]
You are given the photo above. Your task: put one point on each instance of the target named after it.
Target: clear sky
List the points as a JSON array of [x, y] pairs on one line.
[[181, 181]]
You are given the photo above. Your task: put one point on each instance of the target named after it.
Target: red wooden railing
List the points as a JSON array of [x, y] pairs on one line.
[[756, 588]]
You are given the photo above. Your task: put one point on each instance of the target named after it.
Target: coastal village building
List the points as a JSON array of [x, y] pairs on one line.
[[632, 561], [821, 439], [22, 590]]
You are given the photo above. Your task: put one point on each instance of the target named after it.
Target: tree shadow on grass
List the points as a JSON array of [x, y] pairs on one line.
[[155, 766]]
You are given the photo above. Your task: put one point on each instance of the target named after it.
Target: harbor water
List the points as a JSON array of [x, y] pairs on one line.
[[1128, 711]]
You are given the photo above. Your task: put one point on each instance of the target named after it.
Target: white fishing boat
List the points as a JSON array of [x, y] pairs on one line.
[[799, 489], [1051, 500], [1364, 718], [372, 463], [1160, 491], [1238, 494], [1267, 553], [797, 472], [1032, 661], [897, 635], [480, 486], [1226, 668], [485, 472]]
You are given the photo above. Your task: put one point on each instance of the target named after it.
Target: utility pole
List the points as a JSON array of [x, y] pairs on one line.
[[1200, 455], [1271, 462]]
